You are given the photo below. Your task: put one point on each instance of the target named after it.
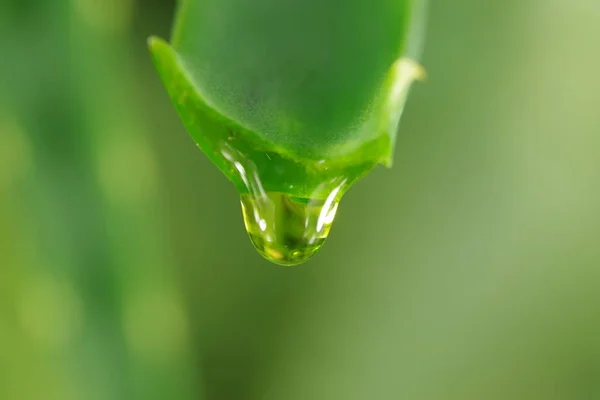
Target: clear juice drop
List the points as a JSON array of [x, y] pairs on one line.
[[288, 230], [284, 228]]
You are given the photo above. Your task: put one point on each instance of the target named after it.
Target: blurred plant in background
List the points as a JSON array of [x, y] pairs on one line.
[[470, 270]]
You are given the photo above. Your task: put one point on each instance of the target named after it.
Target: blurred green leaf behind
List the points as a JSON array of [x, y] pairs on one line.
[[470, 270]]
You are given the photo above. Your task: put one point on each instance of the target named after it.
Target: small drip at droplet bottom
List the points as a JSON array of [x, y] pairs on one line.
[[288, 230]]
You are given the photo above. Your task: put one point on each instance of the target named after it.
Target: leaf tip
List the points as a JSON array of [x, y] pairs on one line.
[[155, 44], [151, 41]]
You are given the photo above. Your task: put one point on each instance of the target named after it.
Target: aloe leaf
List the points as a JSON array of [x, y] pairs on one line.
[[306, 79], [298, 97]]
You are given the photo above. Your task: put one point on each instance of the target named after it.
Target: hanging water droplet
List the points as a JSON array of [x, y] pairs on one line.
[[288, 230], [285, 229]]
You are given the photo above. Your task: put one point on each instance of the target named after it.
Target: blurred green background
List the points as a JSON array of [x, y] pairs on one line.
[[471, 270]]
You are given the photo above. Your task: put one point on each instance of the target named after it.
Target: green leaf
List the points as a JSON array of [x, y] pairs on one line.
[[302, 90]]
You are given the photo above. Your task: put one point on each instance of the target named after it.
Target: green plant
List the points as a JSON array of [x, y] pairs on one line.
[[293, 100]]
